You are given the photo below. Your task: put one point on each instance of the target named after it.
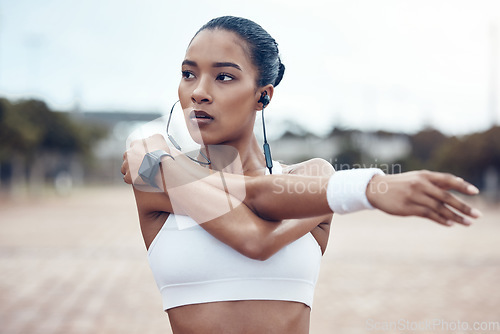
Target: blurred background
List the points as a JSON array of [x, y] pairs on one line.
[[398, 85]]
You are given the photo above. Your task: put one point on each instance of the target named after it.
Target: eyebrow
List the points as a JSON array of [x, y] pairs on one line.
[[217, 64], [227, 64]]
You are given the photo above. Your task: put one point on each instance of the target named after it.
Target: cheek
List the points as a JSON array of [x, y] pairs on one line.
[[242, 98], [184, 95]]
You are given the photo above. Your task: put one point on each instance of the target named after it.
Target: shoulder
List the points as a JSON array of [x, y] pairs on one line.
[[312, 167]]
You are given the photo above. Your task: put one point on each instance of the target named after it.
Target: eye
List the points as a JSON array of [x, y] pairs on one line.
[[187, 75], [224, 77]]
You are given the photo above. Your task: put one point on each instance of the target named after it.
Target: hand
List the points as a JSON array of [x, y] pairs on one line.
[[425, 194], [133, 157]]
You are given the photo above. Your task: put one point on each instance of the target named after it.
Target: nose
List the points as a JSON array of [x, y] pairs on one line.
[[201, 93]]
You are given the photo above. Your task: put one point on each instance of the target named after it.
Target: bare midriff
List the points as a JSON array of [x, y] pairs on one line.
[[241, 317]]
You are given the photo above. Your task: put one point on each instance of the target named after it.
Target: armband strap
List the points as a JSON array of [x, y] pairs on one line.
[[346, 191], [150, 166]]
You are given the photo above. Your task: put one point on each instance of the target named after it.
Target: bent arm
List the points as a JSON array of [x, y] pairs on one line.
[[222, 197], [233, 216], [218, 207], [300, 194], [240, 228]]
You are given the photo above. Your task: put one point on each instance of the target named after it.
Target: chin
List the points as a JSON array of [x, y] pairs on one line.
[[197, 139], [202, 140]]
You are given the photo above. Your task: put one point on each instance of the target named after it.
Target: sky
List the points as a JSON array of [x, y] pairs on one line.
[[393, 65]]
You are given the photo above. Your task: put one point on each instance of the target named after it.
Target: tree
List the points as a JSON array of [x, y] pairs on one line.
[[28, 129], [470, 156]]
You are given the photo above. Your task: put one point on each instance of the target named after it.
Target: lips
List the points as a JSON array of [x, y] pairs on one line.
[[200, 114], [200, 117]]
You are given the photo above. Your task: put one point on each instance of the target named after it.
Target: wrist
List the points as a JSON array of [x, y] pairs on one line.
[[150, 165], [347, 190], [375, 186]]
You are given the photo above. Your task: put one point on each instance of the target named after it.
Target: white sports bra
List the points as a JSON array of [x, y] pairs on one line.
[[191, 266]]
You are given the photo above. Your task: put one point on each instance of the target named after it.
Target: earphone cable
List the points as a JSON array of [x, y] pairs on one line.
[[267, 149]]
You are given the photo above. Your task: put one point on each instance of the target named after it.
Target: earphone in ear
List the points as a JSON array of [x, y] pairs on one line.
[[264, 99]]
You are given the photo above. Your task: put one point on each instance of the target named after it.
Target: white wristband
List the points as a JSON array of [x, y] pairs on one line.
[[346, 190]]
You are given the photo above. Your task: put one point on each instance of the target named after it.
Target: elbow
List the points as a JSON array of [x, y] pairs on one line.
[[257, 249], [257, 198], [252, 193]]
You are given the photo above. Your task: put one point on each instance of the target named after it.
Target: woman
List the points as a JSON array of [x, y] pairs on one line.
[[233, 250]]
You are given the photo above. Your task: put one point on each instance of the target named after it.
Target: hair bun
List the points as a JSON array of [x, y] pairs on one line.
[[281, 71]]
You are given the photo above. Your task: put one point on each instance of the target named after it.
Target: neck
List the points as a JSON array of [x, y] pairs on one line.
[[252, 158], [244, 156]]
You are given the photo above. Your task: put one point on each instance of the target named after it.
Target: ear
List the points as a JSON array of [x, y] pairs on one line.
[[267, 88]]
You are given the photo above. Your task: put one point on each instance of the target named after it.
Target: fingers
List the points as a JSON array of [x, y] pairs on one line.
[[449, 199], [127, 178], [124, 163], [440, 205], [426, 212], [427, 194], [124, 167], [451, 182], [439, 211], [133, 157]]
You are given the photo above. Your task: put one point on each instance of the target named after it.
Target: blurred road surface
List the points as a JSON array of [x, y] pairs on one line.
[[77, 264]]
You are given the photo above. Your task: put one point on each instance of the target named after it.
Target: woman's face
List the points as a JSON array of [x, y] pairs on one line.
[[218, 90]]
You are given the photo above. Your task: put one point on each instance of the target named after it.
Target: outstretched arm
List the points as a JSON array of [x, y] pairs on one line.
[[420, 193]]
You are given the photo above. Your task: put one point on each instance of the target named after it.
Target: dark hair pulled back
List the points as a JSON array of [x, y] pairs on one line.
[[262, 47]]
